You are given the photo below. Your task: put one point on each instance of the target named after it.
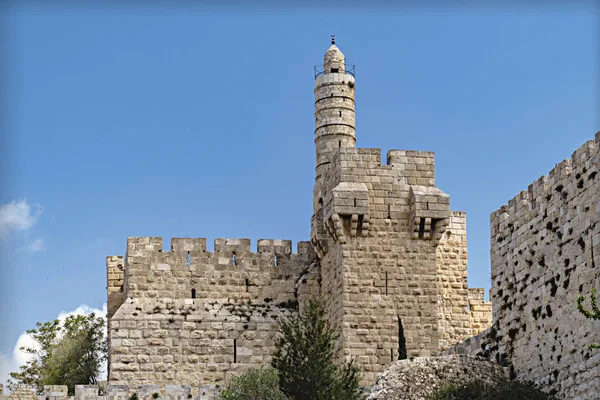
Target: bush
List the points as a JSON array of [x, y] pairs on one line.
[[254, 384], [306, 358], [479, 390]]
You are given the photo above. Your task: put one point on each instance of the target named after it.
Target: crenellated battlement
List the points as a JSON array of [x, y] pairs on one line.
[[409, 166], [559, 185], [222, 246], [188, 270]]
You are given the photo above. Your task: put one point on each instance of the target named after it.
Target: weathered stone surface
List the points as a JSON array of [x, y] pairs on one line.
[[545, 244], [384, 245], [414, 380]]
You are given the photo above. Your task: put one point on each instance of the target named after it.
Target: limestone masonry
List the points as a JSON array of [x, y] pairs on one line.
[[544, 249], [384, 245]]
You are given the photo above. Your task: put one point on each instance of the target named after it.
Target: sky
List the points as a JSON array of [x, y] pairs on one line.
[[198, 121]]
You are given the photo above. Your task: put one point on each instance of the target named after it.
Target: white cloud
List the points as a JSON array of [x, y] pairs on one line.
[[35, 246], [18, 215], [11, 363]]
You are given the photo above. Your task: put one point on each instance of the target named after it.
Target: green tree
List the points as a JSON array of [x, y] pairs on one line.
[[593, 314], [254, 384], [305, 358], [402, 354], [69, 354]]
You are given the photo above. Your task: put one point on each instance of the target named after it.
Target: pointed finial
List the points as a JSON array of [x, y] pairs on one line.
[[332, 39]]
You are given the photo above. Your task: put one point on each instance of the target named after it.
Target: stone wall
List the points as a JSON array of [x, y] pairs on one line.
[[379, 263], [230, 271], [115, 392], [193, 316], [480, 311], [190, 341], [544, 251], [417, 378]]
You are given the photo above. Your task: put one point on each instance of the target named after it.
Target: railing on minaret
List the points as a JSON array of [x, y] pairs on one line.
[[320, 70]]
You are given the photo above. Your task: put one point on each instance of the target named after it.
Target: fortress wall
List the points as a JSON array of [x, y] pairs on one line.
[[231, 271], [115, 392], [453, 293], [191, 341], [480, 311], [544, 250], [115, 276], [387, 273]]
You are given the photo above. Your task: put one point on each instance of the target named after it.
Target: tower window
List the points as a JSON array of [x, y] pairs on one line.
[[421, 228], [234, 351], [193, 293], [189, 259], [386, 283], [247, 284], [340, 143], [340, 113], [233, 259], [275, 260], [335, 70]]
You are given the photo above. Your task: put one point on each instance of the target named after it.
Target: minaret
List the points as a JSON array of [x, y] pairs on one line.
[[334, 112]]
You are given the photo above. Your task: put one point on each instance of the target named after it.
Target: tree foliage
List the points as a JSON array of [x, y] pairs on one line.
[[593, 314], [68, 354], [254, 384], [402, 354], [479, 390], [306, 355]]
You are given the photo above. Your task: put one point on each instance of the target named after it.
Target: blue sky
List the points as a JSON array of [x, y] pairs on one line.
[[198, 121]]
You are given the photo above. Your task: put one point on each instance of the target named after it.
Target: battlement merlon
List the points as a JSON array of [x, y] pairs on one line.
[[542, 191], [415, 167], [222, 246]]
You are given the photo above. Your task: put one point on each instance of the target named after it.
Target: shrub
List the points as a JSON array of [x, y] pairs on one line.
[[479, 390], [306, 355], [254, 384]]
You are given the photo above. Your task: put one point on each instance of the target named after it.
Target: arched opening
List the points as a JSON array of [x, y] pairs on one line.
[[233, 261]]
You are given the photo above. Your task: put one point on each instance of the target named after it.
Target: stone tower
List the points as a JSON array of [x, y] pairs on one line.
[[384, 245], [334, 112], [388, 245]]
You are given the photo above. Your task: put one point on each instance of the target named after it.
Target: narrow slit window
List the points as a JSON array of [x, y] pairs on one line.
[[340, 113], [233, 262], [421, 228], [386, 283], [275, 260], [247, 285], [340, 143], [188, 259], [193, 293], [234, 351], [391, 355], [389, 211], [355, 202]]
